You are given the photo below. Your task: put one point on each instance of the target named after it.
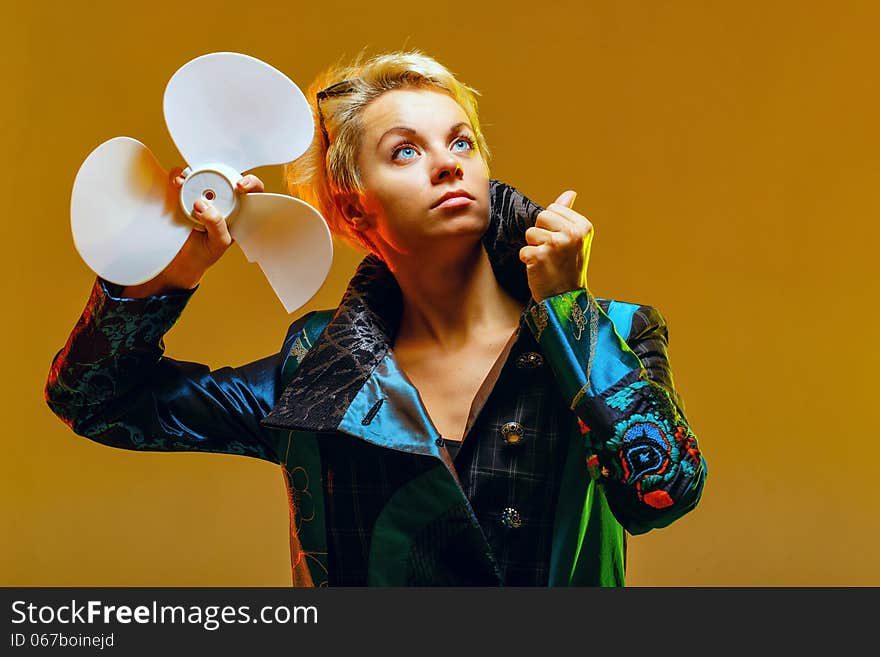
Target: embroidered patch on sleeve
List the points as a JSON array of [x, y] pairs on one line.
[[650, 450], [541, 319], [621, 399]]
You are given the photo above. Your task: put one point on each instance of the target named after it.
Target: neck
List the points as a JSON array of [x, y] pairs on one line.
[[448, 300]]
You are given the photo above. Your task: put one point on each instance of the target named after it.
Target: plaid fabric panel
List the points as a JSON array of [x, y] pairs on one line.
[[525, 476], [359, 478], [436, 558]]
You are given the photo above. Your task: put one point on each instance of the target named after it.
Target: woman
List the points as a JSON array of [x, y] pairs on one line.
[[468, 415]]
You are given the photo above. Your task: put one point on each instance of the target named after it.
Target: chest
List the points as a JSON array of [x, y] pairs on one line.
[[448, 382]]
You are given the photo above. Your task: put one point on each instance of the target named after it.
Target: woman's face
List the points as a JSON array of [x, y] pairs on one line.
[[424, 179]]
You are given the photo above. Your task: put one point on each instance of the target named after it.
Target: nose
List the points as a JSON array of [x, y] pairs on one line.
[[448, 169]]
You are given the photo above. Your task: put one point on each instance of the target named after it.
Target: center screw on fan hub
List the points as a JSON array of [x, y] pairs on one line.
[[214, 183]]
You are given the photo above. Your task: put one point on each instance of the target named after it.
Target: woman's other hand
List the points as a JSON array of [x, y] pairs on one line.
[[201, 249], [557, 249]]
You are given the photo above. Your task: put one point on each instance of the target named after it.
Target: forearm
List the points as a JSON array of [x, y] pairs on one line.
[[178, 277], [111, 348], [112, 384], [640, 446]]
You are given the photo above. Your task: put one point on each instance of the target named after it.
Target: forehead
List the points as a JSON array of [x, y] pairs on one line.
[[419, 109]]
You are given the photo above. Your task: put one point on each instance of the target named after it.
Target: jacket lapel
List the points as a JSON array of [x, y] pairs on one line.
[[334, 370]]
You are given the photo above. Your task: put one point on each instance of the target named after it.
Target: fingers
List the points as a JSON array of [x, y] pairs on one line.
[[249, 183], [176, 176], [554, 220], [245, 184], [214, 223], [551, 220], [567, 198], [531, 255], [559, 217], [536, 236], [557, 249], [564, 204]]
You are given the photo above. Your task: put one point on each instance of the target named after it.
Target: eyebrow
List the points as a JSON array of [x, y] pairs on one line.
[[406, 130]]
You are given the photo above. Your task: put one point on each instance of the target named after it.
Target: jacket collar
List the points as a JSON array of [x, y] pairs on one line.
[[362, 330]]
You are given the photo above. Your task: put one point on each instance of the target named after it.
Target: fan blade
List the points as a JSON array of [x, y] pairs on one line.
[[290, 241], [124, 213], [236, 110]]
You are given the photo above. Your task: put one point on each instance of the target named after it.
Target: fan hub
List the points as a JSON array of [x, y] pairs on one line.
[[214, 183]]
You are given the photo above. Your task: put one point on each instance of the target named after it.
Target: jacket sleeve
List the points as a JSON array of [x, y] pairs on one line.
[[643, 450], [111, 383]]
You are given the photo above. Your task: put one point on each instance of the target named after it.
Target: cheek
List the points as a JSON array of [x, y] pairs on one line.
[[387, 212], [479, 170], [394, 196], [396, 218]]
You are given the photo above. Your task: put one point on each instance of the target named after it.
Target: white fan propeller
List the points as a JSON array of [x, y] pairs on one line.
[[227, 113]]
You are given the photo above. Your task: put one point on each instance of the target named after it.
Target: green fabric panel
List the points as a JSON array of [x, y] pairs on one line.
[[303, 342], [316, 325], [580, 342], [588, 541], [420, 502], [574, 488], [601, 558], [586, 514]]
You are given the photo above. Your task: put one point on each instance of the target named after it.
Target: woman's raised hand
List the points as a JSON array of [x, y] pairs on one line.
[[557, 249], [201, 249]]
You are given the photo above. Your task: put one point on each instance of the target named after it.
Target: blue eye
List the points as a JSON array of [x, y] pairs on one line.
[[405, 153], [467, 144]]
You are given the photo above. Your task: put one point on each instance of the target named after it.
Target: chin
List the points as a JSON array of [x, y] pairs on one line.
[[464, 224]]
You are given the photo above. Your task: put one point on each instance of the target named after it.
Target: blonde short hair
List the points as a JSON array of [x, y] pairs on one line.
[[323, 173]]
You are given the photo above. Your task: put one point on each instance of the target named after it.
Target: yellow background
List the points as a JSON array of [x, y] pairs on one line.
[[727, 154]]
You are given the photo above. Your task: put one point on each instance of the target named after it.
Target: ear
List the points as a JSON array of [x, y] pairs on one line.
[[352, 209]]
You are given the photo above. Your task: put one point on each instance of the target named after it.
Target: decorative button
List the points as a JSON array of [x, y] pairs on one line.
[[510, 518], [512, 433], [529, 360]]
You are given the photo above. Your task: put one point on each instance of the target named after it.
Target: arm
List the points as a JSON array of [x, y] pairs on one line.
[[112, 384], [644, 452]]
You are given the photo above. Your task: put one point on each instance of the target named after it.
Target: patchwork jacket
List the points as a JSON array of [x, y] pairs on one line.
[[363, 464]]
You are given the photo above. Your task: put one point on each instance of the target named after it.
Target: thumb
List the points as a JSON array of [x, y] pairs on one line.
[[214, 223], [566, 198]]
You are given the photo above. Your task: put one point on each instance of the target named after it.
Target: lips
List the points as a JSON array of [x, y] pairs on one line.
[[454, 198]]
